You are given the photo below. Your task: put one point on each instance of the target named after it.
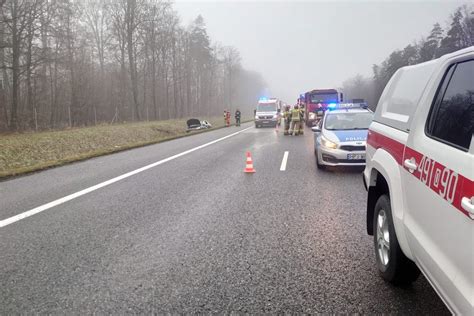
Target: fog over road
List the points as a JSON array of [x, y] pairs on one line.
[[196, 235]]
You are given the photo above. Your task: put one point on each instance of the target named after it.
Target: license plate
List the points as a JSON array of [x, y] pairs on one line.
[[265, 122], [355, 156]]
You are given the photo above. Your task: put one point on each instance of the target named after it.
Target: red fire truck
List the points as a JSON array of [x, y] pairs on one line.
[[317, 101]]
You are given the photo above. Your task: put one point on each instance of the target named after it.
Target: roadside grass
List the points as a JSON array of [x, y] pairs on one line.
[[27, 152]]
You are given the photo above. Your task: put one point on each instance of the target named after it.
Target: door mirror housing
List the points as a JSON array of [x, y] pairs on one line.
[[316, 129]]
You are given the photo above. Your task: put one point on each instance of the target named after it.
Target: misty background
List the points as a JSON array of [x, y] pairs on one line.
[[73, 63], [298, 46]]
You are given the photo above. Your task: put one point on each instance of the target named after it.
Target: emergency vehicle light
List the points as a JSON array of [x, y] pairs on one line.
[[348, 105]]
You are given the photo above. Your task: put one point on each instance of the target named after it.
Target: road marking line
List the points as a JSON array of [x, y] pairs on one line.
[[284, 161], [70, 197]]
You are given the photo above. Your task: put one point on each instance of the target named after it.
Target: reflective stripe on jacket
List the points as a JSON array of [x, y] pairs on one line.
[[295, 115]]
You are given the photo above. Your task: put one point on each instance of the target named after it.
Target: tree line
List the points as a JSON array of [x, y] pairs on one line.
[[66, 63], [458, 34]]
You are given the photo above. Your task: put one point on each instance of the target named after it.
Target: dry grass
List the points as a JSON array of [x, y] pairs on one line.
[[26, 152]]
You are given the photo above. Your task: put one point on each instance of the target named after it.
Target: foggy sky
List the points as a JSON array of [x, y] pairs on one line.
[[299, 46]]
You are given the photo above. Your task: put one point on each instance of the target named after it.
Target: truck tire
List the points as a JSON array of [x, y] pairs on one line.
[[392, 263]]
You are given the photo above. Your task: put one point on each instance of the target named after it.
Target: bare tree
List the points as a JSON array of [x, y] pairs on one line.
[[74, 63]]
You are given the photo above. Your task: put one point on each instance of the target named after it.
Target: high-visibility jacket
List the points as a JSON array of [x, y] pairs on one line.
[[287, 116], [302, 114], [295, 115]]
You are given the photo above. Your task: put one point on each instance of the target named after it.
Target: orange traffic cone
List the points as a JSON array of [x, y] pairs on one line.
[[249, 166]]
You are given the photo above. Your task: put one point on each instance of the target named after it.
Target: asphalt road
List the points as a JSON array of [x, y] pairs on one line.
[[197, 235]]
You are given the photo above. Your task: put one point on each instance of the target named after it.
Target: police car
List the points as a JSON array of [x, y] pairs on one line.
[[340, 137]]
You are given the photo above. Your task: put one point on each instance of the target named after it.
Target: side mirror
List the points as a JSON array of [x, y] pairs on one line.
[[316, 129], [278, 110]]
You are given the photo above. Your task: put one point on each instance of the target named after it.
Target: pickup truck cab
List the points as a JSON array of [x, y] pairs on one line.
[[419, 176]]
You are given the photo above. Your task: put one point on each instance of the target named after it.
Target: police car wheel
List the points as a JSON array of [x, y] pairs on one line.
[[392, 263], [320, 166]]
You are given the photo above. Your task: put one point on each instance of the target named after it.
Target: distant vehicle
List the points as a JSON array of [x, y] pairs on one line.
[[317, 102], [195, 124], [267, 112], [419, 176], [340, 137]]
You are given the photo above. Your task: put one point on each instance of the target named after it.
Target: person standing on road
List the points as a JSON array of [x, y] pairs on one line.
[[301, 130], [237, 117], [286, 120], [228, 119], [295, 120]]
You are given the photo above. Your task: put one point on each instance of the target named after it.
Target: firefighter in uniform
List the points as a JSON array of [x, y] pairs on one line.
[[227, 118], [301, 131], [237, 117], [287, 120], [295, 120]]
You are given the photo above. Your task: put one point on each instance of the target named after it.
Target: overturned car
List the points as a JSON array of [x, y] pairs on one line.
[[195, 124]]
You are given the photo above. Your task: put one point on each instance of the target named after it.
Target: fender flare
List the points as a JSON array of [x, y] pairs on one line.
[[384, 163]]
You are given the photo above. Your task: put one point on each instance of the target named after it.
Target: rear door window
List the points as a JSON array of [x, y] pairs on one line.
[[402, 94], [452, 117]]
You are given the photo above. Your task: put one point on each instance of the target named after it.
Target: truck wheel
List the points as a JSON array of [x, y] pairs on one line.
[[392, 263]]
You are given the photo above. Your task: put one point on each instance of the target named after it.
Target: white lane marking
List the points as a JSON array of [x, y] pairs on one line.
[[284, 161], [70, 197]]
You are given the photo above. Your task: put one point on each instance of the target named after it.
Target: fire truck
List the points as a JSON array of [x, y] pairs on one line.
[[317, 101]]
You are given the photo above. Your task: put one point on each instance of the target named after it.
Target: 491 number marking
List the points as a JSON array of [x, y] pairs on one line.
[[440, 179]]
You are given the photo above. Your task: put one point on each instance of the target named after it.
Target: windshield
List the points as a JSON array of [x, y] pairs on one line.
[[346, 121], [266, 107], [323, 98]]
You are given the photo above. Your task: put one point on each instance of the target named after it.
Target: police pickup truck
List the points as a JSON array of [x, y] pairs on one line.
[[419, 176]]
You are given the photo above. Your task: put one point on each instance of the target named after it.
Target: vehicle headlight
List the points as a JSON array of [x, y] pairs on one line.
[[327, 143], [312, 116], [256, 117], [275, 116]]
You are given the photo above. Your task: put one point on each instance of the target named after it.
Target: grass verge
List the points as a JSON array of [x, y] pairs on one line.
[[22, 153]]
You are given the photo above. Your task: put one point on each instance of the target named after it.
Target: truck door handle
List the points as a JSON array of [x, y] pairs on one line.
[[410, 164], [468, 205]]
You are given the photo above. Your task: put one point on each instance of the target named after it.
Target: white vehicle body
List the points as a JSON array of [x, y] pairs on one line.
[[341, 147], [267, 112], [428, 178]]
